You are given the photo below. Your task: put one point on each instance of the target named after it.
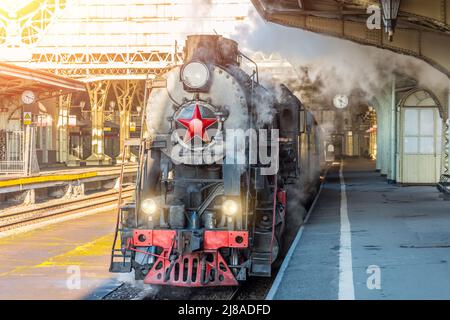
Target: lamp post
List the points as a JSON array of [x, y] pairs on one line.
[[390, 12]]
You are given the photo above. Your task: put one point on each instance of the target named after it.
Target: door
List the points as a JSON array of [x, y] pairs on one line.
[[421, 145]]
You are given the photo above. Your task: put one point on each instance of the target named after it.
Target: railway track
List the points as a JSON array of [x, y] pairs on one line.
[[255, 289], [12, 219]]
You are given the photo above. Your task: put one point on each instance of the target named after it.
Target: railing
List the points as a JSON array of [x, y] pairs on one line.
[[18, 152], [11, 152], [11, 167]]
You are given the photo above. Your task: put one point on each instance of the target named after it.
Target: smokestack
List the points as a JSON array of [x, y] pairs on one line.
[[211, 49]]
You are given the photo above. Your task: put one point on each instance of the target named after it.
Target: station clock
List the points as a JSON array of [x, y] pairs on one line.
[[340, 101], [28, 97]]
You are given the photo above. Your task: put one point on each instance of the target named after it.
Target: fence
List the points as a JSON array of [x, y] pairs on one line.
[[18, 152]]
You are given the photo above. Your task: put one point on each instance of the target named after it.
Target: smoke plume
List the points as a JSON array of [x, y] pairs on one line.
[[335, 65]]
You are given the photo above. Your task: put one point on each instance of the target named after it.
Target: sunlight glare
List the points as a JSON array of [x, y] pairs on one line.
[[14, 5]]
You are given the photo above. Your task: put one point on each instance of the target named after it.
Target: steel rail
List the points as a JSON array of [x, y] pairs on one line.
[[34, 215]]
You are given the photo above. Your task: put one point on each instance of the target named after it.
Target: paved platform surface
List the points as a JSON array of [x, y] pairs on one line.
[[66, 260], [400, 242]]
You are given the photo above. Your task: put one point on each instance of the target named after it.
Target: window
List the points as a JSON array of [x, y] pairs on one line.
[[410, 145], [422, 131], [411, 122], [427, 122]]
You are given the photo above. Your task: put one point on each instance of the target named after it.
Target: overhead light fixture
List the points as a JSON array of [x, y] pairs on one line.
[[390, 13]]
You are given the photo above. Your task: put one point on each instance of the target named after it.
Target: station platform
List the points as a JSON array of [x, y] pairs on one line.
[[367, 239], [63, 174], [65, 183]]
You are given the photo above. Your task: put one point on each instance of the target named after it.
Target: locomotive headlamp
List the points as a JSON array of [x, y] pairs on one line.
[[230, 207], [149, 206], [195, 75]]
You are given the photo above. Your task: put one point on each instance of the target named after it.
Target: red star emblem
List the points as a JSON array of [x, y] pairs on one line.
[[196, 126]]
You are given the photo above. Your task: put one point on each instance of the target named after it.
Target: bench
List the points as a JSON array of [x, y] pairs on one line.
[[444, 186]]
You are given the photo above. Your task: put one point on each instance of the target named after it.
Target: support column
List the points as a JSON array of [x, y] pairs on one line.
[[4, 112], [393, 136], [74, 190], [98, 92], [379, 139], [383, 132], [63, 127], [125, 91], [30, 162], [373, 134], [447, 133], [379, 147], [140, 94], [29, 197], [385, 103], [140, 97]]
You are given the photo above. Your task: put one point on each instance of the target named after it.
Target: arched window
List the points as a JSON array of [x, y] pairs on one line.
[[422, 124]]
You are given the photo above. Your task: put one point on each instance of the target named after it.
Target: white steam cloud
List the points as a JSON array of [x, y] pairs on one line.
[[337, 66]]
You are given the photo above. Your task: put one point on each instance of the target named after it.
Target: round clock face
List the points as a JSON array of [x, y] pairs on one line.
[[340, 101], [28, 97]]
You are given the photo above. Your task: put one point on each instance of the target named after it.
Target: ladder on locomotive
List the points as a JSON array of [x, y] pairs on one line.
[[262, 258], [121, 257]]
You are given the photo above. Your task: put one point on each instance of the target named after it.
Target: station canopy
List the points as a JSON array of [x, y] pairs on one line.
[[15, 80]]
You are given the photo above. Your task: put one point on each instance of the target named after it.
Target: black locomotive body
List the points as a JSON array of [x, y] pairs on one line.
[[217, 157]]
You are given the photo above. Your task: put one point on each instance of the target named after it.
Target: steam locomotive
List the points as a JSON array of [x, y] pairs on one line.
[[216, 160]]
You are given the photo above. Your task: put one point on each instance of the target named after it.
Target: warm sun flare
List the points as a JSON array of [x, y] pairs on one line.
[[14, 5]]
